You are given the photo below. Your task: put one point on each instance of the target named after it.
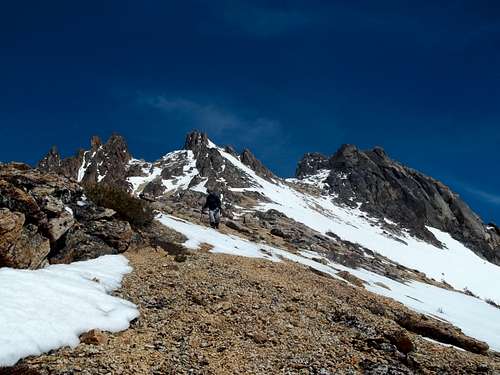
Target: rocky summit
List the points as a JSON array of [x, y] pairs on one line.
[[357, 265], [386, 188]]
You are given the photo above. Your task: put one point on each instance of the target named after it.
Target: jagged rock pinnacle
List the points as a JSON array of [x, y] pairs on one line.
[[255, 164], [195, 141], [95, 142], [51, 161]]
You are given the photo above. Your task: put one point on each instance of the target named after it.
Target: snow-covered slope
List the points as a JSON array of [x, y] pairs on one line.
[[466, 312], [50, 308], [455, 264]]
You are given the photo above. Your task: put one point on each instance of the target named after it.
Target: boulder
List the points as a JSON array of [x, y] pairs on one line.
[[20, 246], [50, 203], [11, 226], [79, 245], [57, 226], [88, 211], [440, 331], [94, 337], [45, 217], [351, 278], [237, 227], [402, 341], [32, 249], [117, 234], [17, 199]]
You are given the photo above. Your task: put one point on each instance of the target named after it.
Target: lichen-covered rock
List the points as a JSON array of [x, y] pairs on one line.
[[117, 234], [11, 226], [79, 245], [32, 249], [21, 246], [16, 199], [57, 226]]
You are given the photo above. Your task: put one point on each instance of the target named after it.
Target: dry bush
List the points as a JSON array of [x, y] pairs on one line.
[[136, 211]]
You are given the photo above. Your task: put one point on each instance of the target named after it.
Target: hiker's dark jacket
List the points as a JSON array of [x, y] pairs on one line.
[[213, 202]]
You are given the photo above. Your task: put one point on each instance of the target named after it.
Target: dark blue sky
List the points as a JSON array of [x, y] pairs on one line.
[[420, 78]]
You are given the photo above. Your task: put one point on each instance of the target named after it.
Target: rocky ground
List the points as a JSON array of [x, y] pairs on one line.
[[216, 314]]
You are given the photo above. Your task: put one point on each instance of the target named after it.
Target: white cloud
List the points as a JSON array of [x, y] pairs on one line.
[[484, 195], [217, 121]]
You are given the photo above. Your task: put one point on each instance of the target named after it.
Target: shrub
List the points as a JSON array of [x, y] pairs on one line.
[[492, 303], [469, 293], [136, 211]]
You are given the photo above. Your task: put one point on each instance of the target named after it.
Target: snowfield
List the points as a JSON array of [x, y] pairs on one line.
[[475, 317], [50, 308], [456, 264]]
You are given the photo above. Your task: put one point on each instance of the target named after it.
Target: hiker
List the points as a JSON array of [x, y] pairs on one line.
[[214, 206]]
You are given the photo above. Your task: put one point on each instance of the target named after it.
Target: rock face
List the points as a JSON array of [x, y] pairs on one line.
[[388, 189], [214, 168], [106, 163], [311, 164], [250, 160], [45, 218]]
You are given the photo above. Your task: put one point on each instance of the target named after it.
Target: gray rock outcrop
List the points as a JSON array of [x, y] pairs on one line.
[[386, 188]]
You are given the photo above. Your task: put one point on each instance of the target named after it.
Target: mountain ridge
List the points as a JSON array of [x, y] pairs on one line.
[[382, 187]]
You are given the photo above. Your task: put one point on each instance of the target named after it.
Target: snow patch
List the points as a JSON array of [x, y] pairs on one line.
[[317, 179], [200, 187], [390, 222], [83, 167], [50, 308]]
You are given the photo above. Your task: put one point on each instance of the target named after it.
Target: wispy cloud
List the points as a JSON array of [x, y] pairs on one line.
[[483, 195], [217, 121]]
